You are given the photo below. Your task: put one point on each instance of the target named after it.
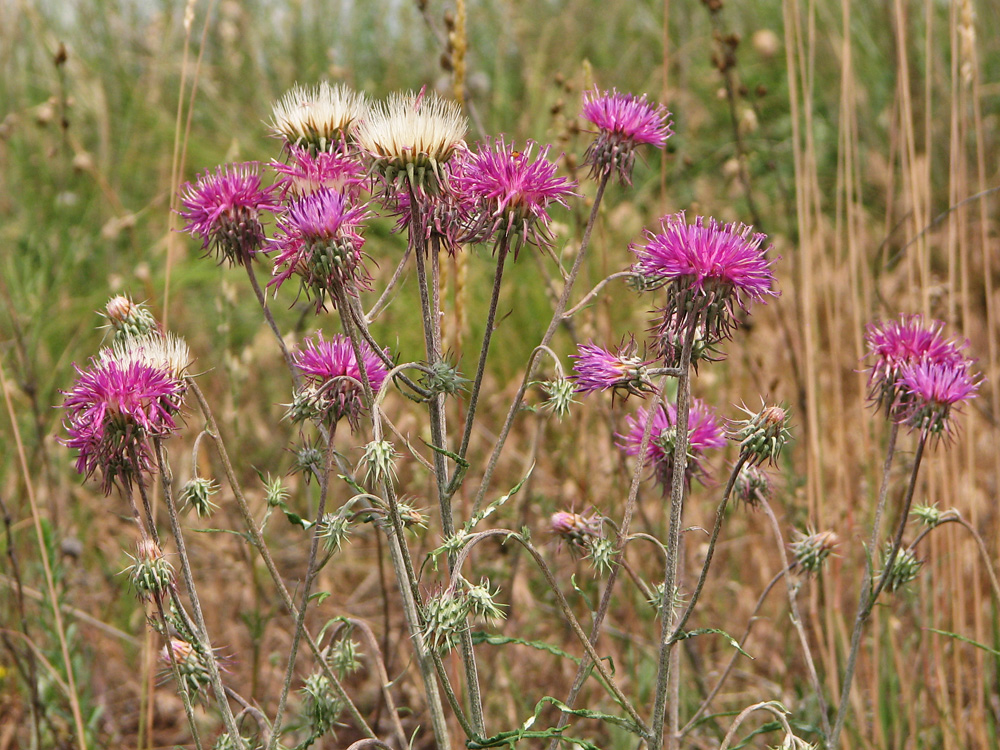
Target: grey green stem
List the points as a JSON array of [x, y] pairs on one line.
[[311, 570], [867, 600], [677, 487]]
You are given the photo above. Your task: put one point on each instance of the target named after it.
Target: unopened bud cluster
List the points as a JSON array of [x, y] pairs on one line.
[[559, 396], [380, 458], [334, 529], [345, 657], [190, 664], [751, 486], [321, 706], [129, 319], [811, 550], [196, 495], [762, 435], [151, 574], [928, 515], [904, 568], [442, 378]]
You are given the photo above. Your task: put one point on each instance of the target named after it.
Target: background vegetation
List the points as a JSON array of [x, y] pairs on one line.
[[862, 137]]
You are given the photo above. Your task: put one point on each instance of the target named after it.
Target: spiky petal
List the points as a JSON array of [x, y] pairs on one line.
[[708, 269], [598, 369], [928, 392], [513, 191], [306, 172], [224, 210], [895, 344], [624, 121]]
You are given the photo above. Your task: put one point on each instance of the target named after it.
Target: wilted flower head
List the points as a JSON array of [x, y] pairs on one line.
[[895, 344], [597, 369], [624, 121], [319, 239], [704, 433], [224, 210], [128, 318], [331, 373], [928, 391], [112, 411], [191, 665], [708, 270], [411, 137], [317, 118], [513, 191], [306, 172]]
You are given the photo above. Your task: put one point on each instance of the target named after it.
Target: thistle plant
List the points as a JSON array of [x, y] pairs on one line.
[[415, 430]]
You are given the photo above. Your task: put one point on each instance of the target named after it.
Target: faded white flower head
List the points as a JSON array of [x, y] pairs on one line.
[[413, 134], [168, 353], [317, 117]]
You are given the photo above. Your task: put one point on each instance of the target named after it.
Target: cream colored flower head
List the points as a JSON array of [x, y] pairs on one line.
[[169, 353], [317, 117], [413, 134]]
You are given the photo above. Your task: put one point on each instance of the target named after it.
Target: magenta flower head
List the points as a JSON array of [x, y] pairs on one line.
[[598, 369], [927, 391], [705, 433], [623, 122], [333, 383], [895, 344], [112, 411], [224, 210], [708, 269], [306, 173], [319, 239], [513, 191]]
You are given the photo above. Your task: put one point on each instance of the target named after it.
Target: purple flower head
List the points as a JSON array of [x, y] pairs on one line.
[[307, 173], [708, 270], [112, 410], [597, 369], [513, 191], [333, 378], [623, 122], [442, 215], [319, 239], [224, 210], [895, 344], [705, 432], [927, 391]]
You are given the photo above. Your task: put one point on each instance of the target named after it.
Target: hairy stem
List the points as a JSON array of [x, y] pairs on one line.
[[311, 570], [867, 600]]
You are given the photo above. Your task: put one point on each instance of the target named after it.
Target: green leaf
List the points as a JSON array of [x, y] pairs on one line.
[[319, 596], [962, 638], [502, 640], [712, 631]]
